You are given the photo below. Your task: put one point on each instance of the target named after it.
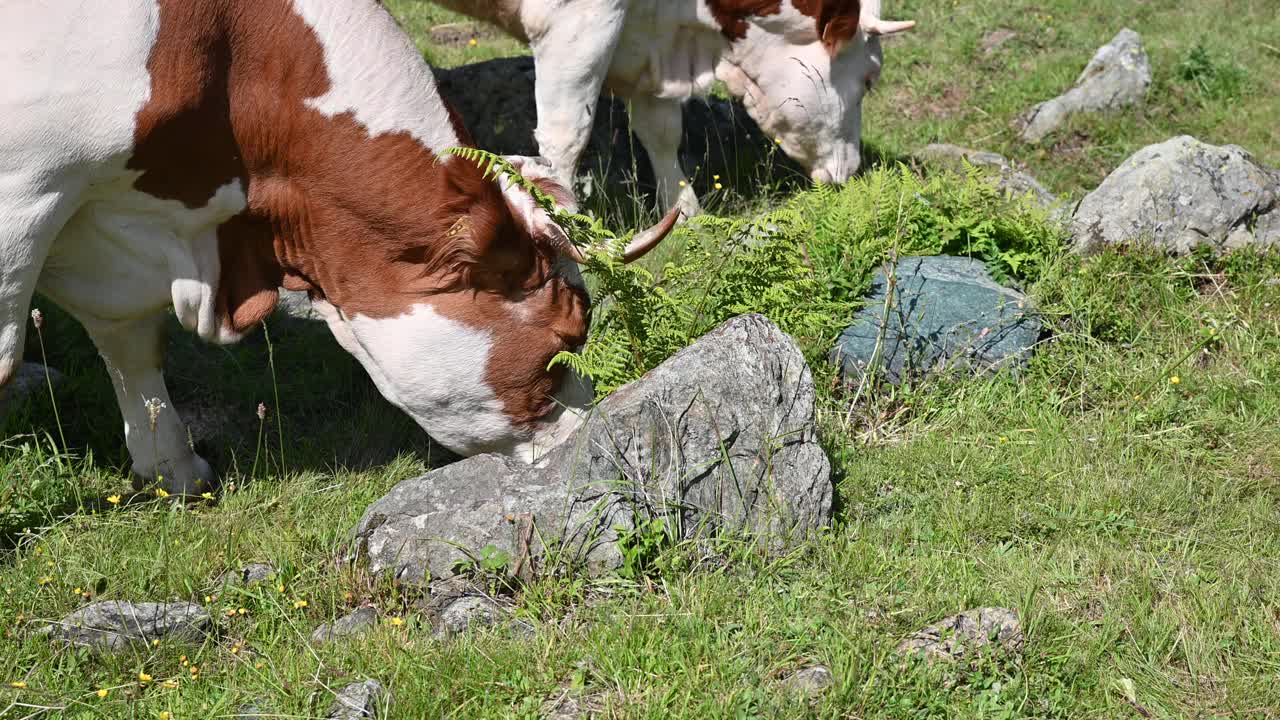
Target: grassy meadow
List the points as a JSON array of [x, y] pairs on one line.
[[1122, 493]]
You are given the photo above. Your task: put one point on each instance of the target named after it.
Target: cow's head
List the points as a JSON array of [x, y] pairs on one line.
[[802, 68], [469, 324]]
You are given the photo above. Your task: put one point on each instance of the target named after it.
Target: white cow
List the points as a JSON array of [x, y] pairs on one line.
[[199, 154], [801, 68]]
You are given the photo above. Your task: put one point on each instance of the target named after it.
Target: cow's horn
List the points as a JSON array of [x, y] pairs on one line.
[[873, 25], [642, 243], [647, 240]]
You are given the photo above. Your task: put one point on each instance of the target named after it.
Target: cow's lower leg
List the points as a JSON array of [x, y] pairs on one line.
[[158, 442], [659, 125]]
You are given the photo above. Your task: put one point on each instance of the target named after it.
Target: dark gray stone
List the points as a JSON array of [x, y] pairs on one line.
[[1118, 76], [496, 102], [467, 614], [115, 626], [810, 681], [957, 636], [1182, 194], [947, 313], [30, 379], [359, 700], [720, 437], [1009, 178], [354, 624]]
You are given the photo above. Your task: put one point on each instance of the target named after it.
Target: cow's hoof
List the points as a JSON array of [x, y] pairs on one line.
[[190, 477]]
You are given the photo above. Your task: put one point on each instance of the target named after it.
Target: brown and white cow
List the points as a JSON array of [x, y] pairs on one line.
[[198, 154], [801, 68]]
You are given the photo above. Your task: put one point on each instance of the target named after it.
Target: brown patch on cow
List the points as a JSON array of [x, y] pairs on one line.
[[373, 225], [837, 20], [732, 15]]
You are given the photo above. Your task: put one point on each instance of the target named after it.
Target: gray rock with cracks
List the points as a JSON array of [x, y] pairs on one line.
[[720, 437], [1182, 194], [359, 700], [958, 636], [466, 614], [1118, 76], [115, 626]]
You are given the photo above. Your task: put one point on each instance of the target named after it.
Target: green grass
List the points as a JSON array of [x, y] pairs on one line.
[[1130, 520]]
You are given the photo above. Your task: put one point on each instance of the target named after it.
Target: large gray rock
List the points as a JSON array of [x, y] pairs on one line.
[[958, 636], [358, 700], [30, 379], [946, 313], [1118, 76], [1010, 179], [719, 437], [115, 626], [496, 102], [1182, 194], [467, 614]]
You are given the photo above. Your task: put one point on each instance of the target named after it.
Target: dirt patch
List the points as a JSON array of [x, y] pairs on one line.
[[951, 101], [461, 34]]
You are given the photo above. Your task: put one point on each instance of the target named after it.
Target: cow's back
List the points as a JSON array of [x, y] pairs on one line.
[[72, 79]]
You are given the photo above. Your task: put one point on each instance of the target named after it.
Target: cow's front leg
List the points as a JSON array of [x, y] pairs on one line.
[[158, 442], [571, 58], [659, 125]]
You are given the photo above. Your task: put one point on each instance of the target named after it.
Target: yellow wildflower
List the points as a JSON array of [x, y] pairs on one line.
[[298, 605], [280, 587], [166, 715], [113, 499], [1175, 380], [19, 684], [472, 42], [397, 621], [207, 496], [103, 692], [718, 186], [242, 611], [171, 684], [144, 678], [44, 580], [162, 493]]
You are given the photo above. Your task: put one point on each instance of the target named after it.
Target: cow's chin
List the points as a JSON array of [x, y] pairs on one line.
[[572, 406]]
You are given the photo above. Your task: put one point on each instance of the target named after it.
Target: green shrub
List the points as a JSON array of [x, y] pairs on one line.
[[805, 266]]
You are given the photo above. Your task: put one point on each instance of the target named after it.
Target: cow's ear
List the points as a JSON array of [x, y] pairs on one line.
[[838, 32], [249, 277]]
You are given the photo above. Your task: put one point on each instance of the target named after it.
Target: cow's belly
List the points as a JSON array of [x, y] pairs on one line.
[[665, 53], [126, 254]]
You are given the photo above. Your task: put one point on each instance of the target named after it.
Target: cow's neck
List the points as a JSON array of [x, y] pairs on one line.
[[342, 164]]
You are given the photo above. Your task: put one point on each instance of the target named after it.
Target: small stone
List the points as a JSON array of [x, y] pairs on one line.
[[354, 624], [359, 700], [252, 712], [115, 626], [959, 635], [993, 40], [1118, 76], [467, 614], [250, 574], [813, 680]]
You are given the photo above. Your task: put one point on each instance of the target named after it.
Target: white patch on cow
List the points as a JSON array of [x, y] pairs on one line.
[[72, 77], [376, 73], [433, 368], [572, 404], [163, 251]]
